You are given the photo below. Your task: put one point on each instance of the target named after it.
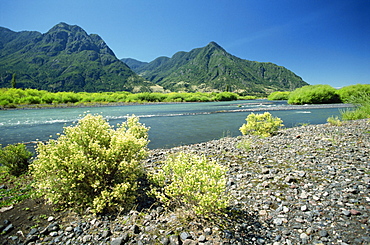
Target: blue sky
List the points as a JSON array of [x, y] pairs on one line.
[[324, 42]]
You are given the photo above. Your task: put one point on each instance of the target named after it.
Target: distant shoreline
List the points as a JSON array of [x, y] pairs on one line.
[[68, 105], [108, 104]]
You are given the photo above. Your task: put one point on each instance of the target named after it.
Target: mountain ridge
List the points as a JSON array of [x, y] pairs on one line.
[[65, 58], [212, 68]]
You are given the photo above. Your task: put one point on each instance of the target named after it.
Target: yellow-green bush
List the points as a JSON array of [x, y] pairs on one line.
[[92, 164], [191, 182], [261, 124], [334, 121], [15, 158], [279, 95]]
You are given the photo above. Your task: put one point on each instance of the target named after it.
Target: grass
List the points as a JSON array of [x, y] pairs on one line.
[[16, 189], [362, 109]]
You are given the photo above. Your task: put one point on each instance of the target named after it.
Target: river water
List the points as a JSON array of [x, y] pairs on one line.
[[170, 124]]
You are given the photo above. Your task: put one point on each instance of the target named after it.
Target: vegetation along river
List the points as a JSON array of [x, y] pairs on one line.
[[170, 124]]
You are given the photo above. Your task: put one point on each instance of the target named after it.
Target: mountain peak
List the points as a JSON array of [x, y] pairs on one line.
[[65, 58], [214, 44]]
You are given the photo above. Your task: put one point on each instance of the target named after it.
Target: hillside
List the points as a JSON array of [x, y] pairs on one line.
[[65, 58], [211, 68]]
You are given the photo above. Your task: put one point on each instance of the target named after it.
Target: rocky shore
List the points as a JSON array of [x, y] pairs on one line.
[[305, 185]]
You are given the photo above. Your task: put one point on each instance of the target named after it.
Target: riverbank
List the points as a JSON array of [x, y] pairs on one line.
[[305, 185]]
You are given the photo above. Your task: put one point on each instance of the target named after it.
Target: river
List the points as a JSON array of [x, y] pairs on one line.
[[170, 124]]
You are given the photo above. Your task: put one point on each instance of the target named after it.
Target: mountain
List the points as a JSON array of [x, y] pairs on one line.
[[65, 58], [211, 68]]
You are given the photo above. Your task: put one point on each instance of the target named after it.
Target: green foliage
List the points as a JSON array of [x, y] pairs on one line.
[[362, 107], [314, 94], [279, 96], [349, 93], [16, 158], [261, 124], [65, 58], [244, 145], [32, 96], [226, 96], [191, 182], [335, 121], [14, 82], [211, 68], [92, 164]]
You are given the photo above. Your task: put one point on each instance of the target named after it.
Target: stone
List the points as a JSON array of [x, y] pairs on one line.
[[8, 228], [323, 233], [185, 235], [120, 240], [278, 221], [106, 233], [69, 229], [174, 240], [354, 212], [202, 238], [208, 231], [304, 208], [346, 213]]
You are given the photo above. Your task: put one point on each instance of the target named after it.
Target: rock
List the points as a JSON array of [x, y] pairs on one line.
[[120, 240], [290, 179], [106, 233], [304, 208], [278, 221], [185, 235], [354, 212], [174, 240], [69, 229], [323, 233], [86, 238], [189, 242], [8, 228], [208, 231], [346, 213], [202, 238]]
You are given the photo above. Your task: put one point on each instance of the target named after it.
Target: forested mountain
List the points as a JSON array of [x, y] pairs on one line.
[[211, 68], [65, 58]]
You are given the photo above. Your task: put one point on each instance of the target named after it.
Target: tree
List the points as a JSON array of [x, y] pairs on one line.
[[14, 82]]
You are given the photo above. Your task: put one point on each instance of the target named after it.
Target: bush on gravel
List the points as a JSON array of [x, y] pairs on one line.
[[92, 164]]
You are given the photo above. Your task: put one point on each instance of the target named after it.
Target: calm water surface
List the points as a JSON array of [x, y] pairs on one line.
[[170, 124]]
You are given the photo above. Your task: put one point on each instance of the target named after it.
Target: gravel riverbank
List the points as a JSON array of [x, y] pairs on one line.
[[305, 185]]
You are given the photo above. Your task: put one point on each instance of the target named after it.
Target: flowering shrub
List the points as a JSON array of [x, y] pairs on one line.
[[92, 164], [261, 124], [192, 182]]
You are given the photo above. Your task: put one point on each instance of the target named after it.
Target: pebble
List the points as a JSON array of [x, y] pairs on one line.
[[285, 189]]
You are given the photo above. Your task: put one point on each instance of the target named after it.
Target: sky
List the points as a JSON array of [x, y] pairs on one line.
[[324, 42]]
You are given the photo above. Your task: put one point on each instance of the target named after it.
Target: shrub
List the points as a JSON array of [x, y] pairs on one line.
[[334, 121], [16, 158], [362, 107], [279, 96], [226, 96], [314, 94], [261, 124], [92, 164], [349, 93], [191, 182]]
